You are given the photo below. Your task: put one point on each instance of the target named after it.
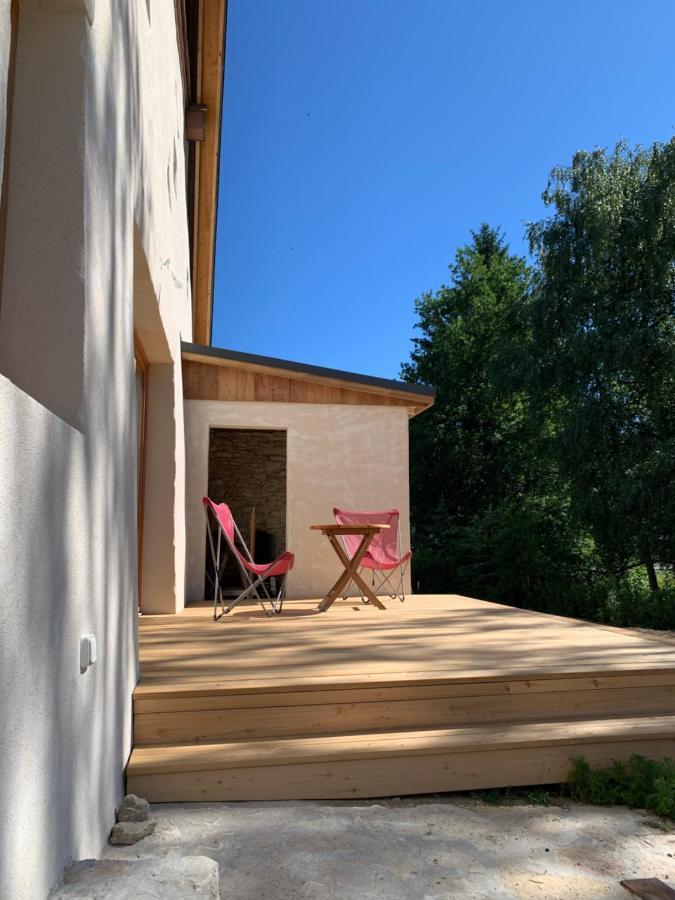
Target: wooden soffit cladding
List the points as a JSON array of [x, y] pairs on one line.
[[232, 382], [208, 98]]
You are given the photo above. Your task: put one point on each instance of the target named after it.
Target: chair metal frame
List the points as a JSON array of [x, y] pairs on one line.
[[220, 552], [399, 593]]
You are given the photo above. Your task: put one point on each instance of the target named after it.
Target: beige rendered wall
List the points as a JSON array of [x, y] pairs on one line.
[[5, 37], [349, 456], [96, 241]]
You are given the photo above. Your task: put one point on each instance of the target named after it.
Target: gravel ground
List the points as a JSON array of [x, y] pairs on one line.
[[413, 849]]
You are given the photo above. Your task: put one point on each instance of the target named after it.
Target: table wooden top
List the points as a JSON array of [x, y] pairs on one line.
[[334, 528]]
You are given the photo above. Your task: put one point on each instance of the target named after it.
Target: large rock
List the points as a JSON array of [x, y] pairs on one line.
[[133, 809], [173, 878], [130, 832]]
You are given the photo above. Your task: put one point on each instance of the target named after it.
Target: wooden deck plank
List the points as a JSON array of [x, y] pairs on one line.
[[391, 776], [649, 888], [504, 736], [170, 699], [426, 640], [251, 723], [202, 687], [439, 693]]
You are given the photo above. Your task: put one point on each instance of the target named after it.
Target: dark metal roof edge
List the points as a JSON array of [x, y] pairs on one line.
[[272, 362]]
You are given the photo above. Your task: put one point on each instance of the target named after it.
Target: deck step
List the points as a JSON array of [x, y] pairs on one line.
[[382, 764], [201, 717]]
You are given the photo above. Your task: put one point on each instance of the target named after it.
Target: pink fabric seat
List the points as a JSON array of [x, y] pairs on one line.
[[369, 562], [384, 551], [281, 565], [279, 568]]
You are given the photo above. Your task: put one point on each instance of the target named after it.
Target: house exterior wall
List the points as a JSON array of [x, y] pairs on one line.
[[96, 244], [355, 457]]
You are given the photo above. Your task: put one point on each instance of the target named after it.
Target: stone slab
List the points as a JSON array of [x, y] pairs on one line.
[[170, 878]]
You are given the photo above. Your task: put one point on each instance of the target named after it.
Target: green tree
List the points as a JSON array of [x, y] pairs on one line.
[[604, 347], [470, 331], [489, 512]]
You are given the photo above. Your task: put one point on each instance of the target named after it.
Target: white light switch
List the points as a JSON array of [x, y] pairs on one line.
[[88, 655]]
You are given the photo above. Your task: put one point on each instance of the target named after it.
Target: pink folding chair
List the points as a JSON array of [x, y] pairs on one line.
[[254, 575], [384, 555]]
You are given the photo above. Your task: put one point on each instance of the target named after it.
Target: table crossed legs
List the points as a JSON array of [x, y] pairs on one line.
[[351, 566]]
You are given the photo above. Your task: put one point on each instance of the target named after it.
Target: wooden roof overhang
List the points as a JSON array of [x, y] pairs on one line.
[[210, 373], [201, 27]]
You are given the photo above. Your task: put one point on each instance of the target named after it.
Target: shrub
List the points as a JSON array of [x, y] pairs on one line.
[[630, 603], [641, 782]]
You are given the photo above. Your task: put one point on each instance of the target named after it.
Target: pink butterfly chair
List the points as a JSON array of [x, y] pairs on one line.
[[384, 555], [254, 575]]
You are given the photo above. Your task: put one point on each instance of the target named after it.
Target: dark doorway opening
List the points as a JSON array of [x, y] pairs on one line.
[[247, 470]]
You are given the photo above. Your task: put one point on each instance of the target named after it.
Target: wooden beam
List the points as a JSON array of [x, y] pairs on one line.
[[195, 122], [649, 888], [211, 55]]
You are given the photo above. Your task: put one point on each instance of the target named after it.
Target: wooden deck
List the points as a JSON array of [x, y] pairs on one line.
[[439, 693]]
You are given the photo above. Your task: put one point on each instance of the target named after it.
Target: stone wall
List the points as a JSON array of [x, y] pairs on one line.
[[247, 468]]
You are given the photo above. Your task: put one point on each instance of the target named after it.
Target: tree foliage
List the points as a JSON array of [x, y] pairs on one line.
[[604, 329], [471, 332], [489, 512], [545, 471]]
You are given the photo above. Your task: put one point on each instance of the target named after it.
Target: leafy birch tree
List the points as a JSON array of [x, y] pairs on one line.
[[603, 324]]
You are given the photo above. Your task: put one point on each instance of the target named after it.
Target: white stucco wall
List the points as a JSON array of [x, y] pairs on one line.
[[354, 457], [111, 118]]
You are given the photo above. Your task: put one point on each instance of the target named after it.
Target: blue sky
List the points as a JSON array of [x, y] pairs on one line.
[[363, 140]]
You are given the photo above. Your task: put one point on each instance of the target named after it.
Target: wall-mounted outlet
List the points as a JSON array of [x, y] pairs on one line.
[[88, 654]]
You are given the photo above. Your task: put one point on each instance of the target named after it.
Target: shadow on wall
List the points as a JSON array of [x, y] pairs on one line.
[[42, 318], [67, 523], [62, 747]]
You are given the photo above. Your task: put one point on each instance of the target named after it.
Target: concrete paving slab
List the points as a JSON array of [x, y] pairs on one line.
[[168, 878], [413, 849]]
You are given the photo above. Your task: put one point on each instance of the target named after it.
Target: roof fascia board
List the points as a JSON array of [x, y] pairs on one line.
[[209, 91]]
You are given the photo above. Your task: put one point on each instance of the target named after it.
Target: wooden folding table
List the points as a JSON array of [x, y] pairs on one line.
[[333, 533]]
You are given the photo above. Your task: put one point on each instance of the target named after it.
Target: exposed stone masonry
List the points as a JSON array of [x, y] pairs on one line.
[[247, 468]]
